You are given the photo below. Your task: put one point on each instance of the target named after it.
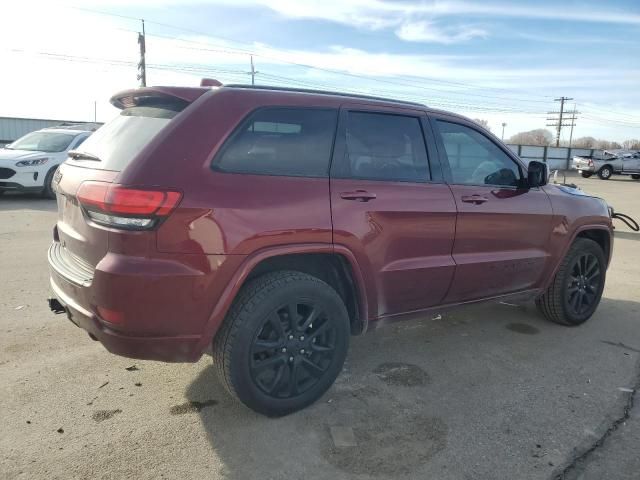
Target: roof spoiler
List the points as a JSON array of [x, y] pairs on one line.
[[138, 96]]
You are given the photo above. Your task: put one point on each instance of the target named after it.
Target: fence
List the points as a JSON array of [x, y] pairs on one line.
[[558, 158]]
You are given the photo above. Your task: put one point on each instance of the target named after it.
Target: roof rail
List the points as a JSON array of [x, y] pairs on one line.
[[322, 92]]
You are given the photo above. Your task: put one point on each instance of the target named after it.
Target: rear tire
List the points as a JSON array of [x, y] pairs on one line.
[[635, 177], [283, 342], [47, 191], [576, 289], [605, 172], [586, 175]]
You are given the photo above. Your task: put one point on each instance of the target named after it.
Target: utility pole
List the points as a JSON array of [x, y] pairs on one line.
[[503, 125], [557, 121], [142, 66], [95, 111], [253, 72], [572, 124]]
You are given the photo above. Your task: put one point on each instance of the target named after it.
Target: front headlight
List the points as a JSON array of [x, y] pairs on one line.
[[32, 163]]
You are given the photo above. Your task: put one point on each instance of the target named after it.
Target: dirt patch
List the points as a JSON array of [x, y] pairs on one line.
[[191, 407], [522, 328], [401, 374], [388, 447], [102, 415]]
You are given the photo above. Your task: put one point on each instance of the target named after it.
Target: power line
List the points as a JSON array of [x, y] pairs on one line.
[[239, 75], [420, 82]]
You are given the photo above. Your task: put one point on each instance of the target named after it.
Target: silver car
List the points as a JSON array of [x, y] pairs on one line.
[[609, 164]]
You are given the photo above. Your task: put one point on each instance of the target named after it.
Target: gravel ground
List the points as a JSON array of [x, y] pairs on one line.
[[491, 392]]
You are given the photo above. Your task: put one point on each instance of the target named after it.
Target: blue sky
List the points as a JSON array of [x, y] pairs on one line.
[[496, 60]]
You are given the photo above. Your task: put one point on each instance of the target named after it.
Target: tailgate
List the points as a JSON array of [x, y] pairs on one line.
[[76, 235]]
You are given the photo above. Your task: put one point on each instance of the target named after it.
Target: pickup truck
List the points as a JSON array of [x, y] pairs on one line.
[[608, 164]]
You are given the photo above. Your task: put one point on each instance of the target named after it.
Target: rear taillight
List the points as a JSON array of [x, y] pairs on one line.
[[116, 206], [591, 163]]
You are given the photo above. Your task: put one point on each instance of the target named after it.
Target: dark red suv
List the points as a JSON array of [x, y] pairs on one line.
[[267, 225]]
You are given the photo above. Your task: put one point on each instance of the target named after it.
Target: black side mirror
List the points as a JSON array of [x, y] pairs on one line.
[[537, 174]]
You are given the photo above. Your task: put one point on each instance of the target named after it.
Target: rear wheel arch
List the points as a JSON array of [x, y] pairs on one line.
[[604, 168], [332, 268]]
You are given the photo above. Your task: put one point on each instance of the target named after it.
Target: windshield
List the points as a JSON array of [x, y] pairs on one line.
[[43, 142], [115, 144]]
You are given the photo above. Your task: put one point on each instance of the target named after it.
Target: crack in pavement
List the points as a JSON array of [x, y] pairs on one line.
[[582, 458], [621, 345]]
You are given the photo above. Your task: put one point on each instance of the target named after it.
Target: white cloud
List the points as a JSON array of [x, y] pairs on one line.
[[42, 86], [427, 31]]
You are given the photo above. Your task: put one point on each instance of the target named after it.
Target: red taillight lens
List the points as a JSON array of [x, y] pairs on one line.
[[111, 316], [112, 204], [141, 202]]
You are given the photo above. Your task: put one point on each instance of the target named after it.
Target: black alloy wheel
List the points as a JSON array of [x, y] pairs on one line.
[[293, 349], [584, 284], [283, 342]]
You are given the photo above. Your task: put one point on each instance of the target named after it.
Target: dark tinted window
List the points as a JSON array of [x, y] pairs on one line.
[[384, 147], [476, 160], [281, 141], [117, 142]]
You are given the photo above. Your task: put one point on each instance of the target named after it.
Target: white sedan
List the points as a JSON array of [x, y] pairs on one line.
[[28, 164]]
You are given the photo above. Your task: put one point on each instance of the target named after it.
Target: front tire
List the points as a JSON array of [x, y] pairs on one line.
[[48, 191], [576, 289], [605, 172], [635, 176], [283, 342]]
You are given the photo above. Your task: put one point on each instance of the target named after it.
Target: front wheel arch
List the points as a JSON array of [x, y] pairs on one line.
[[47, 189]]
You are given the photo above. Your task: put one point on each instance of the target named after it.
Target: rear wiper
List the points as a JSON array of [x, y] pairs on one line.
[[77, 155]]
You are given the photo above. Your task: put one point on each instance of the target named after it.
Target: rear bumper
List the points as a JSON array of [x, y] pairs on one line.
[[167, 349], [155, 308]]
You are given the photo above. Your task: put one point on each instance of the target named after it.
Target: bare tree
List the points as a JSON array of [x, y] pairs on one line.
[[483, 123], [539, 136], [631, 144], [584, 142]]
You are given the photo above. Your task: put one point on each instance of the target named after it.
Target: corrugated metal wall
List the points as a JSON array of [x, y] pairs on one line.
[[13, 128], [558, 158]]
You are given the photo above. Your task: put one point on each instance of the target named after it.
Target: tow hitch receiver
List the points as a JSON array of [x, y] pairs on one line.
[[56, 307]]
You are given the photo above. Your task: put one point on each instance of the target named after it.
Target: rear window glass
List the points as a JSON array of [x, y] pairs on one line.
[[117, 142], [281, 141], [385, 147]]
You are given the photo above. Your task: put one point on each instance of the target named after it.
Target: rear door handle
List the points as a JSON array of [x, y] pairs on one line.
[[475, 199], [358, 196]]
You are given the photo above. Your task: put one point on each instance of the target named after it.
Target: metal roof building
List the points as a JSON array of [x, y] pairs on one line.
[[12, 128]]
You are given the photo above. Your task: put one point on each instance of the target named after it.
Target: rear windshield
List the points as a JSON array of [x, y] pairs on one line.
[[114, 145]]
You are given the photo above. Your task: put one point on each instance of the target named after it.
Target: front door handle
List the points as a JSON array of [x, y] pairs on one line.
[[475, 199], [358, 196]]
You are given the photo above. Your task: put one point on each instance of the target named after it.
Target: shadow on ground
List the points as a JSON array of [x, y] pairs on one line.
[[455, 396]]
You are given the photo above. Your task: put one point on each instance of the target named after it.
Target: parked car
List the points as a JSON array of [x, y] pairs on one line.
[[267, 225], [28, 164], [609, 164]]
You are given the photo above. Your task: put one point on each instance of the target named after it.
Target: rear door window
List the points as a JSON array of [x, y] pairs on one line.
[[386, 147], [281, 141]]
